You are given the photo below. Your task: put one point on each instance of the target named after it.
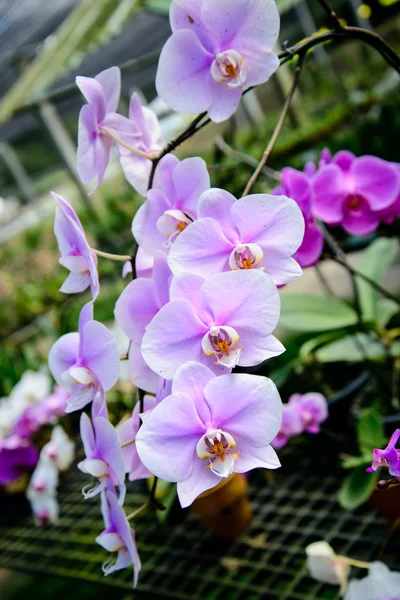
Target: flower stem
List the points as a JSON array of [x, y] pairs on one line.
[[353, 562], [278, 127], [114, 137], [128, 443], [118, 257], [138, 510]]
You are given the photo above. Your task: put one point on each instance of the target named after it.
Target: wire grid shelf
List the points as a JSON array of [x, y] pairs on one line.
[[183, 560]]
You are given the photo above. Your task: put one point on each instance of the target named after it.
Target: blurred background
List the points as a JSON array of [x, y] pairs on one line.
[[348, 98]]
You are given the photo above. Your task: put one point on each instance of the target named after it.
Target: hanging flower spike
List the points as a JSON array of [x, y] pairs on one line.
[[224, 321], [297, 185], [86, 362], [353, 192], [60, 450], [45, 510], [118, 537], [312, 409], [291, 426], [16, 457], [325, 566], [217, 49], [380, 584], [104, 459], [102, 94], [137, 168], [389, 457], [76, 254], [127, 434], [44, 481], [138, 304], [256, 232], [171, 204], [210, 427]]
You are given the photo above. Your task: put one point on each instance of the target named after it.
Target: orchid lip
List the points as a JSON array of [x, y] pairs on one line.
[[228, 67], [246, 256], [215, 449], [221, 342]]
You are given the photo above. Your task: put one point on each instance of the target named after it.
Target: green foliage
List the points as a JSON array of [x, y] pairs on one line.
[[370, 431], [376, 259], [158, 6], [308, 312], [352, 348], [359, 485], [357, 488]]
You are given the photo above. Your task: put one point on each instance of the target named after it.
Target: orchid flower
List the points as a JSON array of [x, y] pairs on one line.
[[138, 304], [104, 459], [86, 362], [221, 322], [210, 427], [353, 192], [216, 50], [171, 204], [259, 231], [76, 254], [94, 144], [118, 537]]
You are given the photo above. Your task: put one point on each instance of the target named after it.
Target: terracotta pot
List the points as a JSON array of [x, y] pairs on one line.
[[226, 508], [387, 502]]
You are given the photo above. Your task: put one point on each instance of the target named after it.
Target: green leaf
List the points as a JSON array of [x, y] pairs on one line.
[[370, 431], [357, 488], [356, 461], [375, 261], [308, 312], [386, 309], [352, 348], [310, 346], [158, 6]]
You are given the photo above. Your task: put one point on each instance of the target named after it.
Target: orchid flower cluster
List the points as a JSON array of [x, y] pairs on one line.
[[204, 295], [326, 566], [302, 413], [356, 193], [57, 455], [30, 406]]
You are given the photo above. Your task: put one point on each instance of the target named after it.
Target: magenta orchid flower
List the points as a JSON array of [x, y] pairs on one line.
[[216, 50], [210, 427], [150, 140], [118, 537], [392, 213], [17, 456], [138, 304], [86, 362], [127, 434], [353, 192], [221, 322], [297, 185], [94, 145], [291, 426], [76, 254], [312, 409], [104, 460], [260, 231], [171, 204], [389, 457]]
